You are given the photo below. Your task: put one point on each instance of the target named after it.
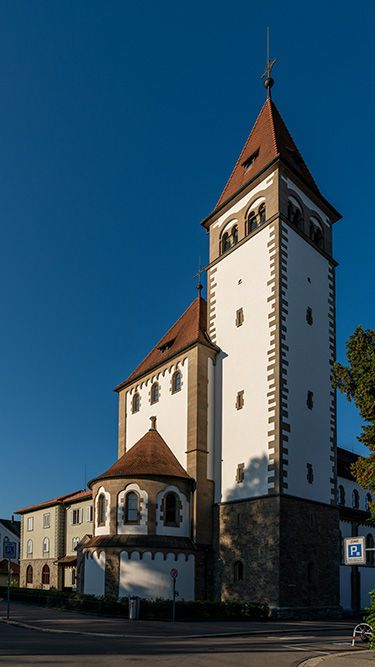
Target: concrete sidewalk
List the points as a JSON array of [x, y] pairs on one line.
[[350, 659], [61, 621]]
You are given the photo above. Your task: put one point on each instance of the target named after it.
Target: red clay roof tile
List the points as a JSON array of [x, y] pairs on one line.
[[149, 456], [69, 497], [269, 138], [189, 328]]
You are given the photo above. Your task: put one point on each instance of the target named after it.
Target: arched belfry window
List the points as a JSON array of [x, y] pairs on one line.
[[251, 223], [225, 242], [171, 505], [316, 233], [135, 403], [238, 570], [176, 382], [131, 508], [262, 214], [235, 234], [101, 509], [295, 214], [155, 393]]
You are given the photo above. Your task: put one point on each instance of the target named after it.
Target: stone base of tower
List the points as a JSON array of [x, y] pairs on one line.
[[279, 550]]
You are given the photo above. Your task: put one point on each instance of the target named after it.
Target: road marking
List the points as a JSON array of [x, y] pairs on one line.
[[294, 637], [308, 650]]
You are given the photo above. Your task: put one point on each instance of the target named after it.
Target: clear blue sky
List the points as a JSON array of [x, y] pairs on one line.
[[120, 123]]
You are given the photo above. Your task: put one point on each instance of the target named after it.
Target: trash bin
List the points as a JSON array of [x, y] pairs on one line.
[[134, 607]]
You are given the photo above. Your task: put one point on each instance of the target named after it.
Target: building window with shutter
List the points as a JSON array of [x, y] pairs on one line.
[[30, 523], [46, 520], [46, 545], [89, 513], [76, 516]]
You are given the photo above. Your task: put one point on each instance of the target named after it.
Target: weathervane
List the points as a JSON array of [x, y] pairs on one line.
[[198, 275], [269, 81]]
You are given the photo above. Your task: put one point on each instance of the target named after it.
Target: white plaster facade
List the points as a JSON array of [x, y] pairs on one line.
[[150, 577], [241, 435], [170, 410], [94, 573]]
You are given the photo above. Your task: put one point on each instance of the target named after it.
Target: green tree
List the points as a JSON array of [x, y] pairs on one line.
[[357, 382]]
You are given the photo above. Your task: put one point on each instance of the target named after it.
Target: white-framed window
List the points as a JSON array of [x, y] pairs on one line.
[[75, 542], [72, 577], [30, 523], [29, 547], [46, 545], [76, 516], [46, 520], [89, 513]]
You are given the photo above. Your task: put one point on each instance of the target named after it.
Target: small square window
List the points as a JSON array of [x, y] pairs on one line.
[[239, 317], [310, 473], [240, 400], [240, 476], [309, 400]]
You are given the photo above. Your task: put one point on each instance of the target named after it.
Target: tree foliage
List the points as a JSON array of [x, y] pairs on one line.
[[357, 382]]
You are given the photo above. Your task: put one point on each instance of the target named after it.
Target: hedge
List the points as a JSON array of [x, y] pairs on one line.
[[200, 610]]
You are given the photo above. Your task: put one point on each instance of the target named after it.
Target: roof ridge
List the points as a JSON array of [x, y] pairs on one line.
[[241, 154]]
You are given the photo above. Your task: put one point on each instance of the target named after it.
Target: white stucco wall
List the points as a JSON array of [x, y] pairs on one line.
[[170, 410], [308, 370], [94, 573], [210, 419], [149, 578], [241, 435]]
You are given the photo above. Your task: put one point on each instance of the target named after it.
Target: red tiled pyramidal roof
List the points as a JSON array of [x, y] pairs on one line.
[[189, 328], [149, 456], [268, 139]]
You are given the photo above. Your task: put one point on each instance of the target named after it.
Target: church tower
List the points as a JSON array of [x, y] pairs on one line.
[[271, 311]]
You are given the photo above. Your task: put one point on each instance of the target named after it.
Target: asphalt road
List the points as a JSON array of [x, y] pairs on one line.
[[20, 646]]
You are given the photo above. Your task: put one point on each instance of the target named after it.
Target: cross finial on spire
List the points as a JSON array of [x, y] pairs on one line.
[[198, 275], [267, 73]]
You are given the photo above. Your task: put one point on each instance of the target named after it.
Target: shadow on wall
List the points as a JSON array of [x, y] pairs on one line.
[[254, 480]]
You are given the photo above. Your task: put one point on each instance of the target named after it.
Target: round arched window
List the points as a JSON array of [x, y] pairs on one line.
[[238, 570], [155, 393], [45, 575], [131, 508], [176, 381], [170, 509], [225, 243]]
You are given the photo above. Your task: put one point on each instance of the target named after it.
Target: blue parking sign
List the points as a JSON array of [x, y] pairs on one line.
[[355, 551], [10, 550]]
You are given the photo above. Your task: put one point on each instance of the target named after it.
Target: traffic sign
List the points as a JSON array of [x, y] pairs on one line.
[[174, 573], [10, 550], [355, 551]]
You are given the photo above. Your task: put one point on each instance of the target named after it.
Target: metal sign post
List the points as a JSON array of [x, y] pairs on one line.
[[9, 552], [174, 574]]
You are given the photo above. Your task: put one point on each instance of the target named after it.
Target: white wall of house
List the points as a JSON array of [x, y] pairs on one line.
[[94, 573], [151, 578], [308, 369], [241, 436], [170, 410]]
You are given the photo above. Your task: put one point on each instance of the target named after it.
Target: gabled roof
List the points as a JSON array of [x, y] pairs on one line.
[[190, 328], [68, 498], [150, 456], [13, 526], [268, 139]]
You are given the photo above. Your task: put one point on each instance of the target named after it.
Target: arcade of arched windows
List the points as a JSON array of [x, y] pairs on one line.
[[309, 224], [232, 233]]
